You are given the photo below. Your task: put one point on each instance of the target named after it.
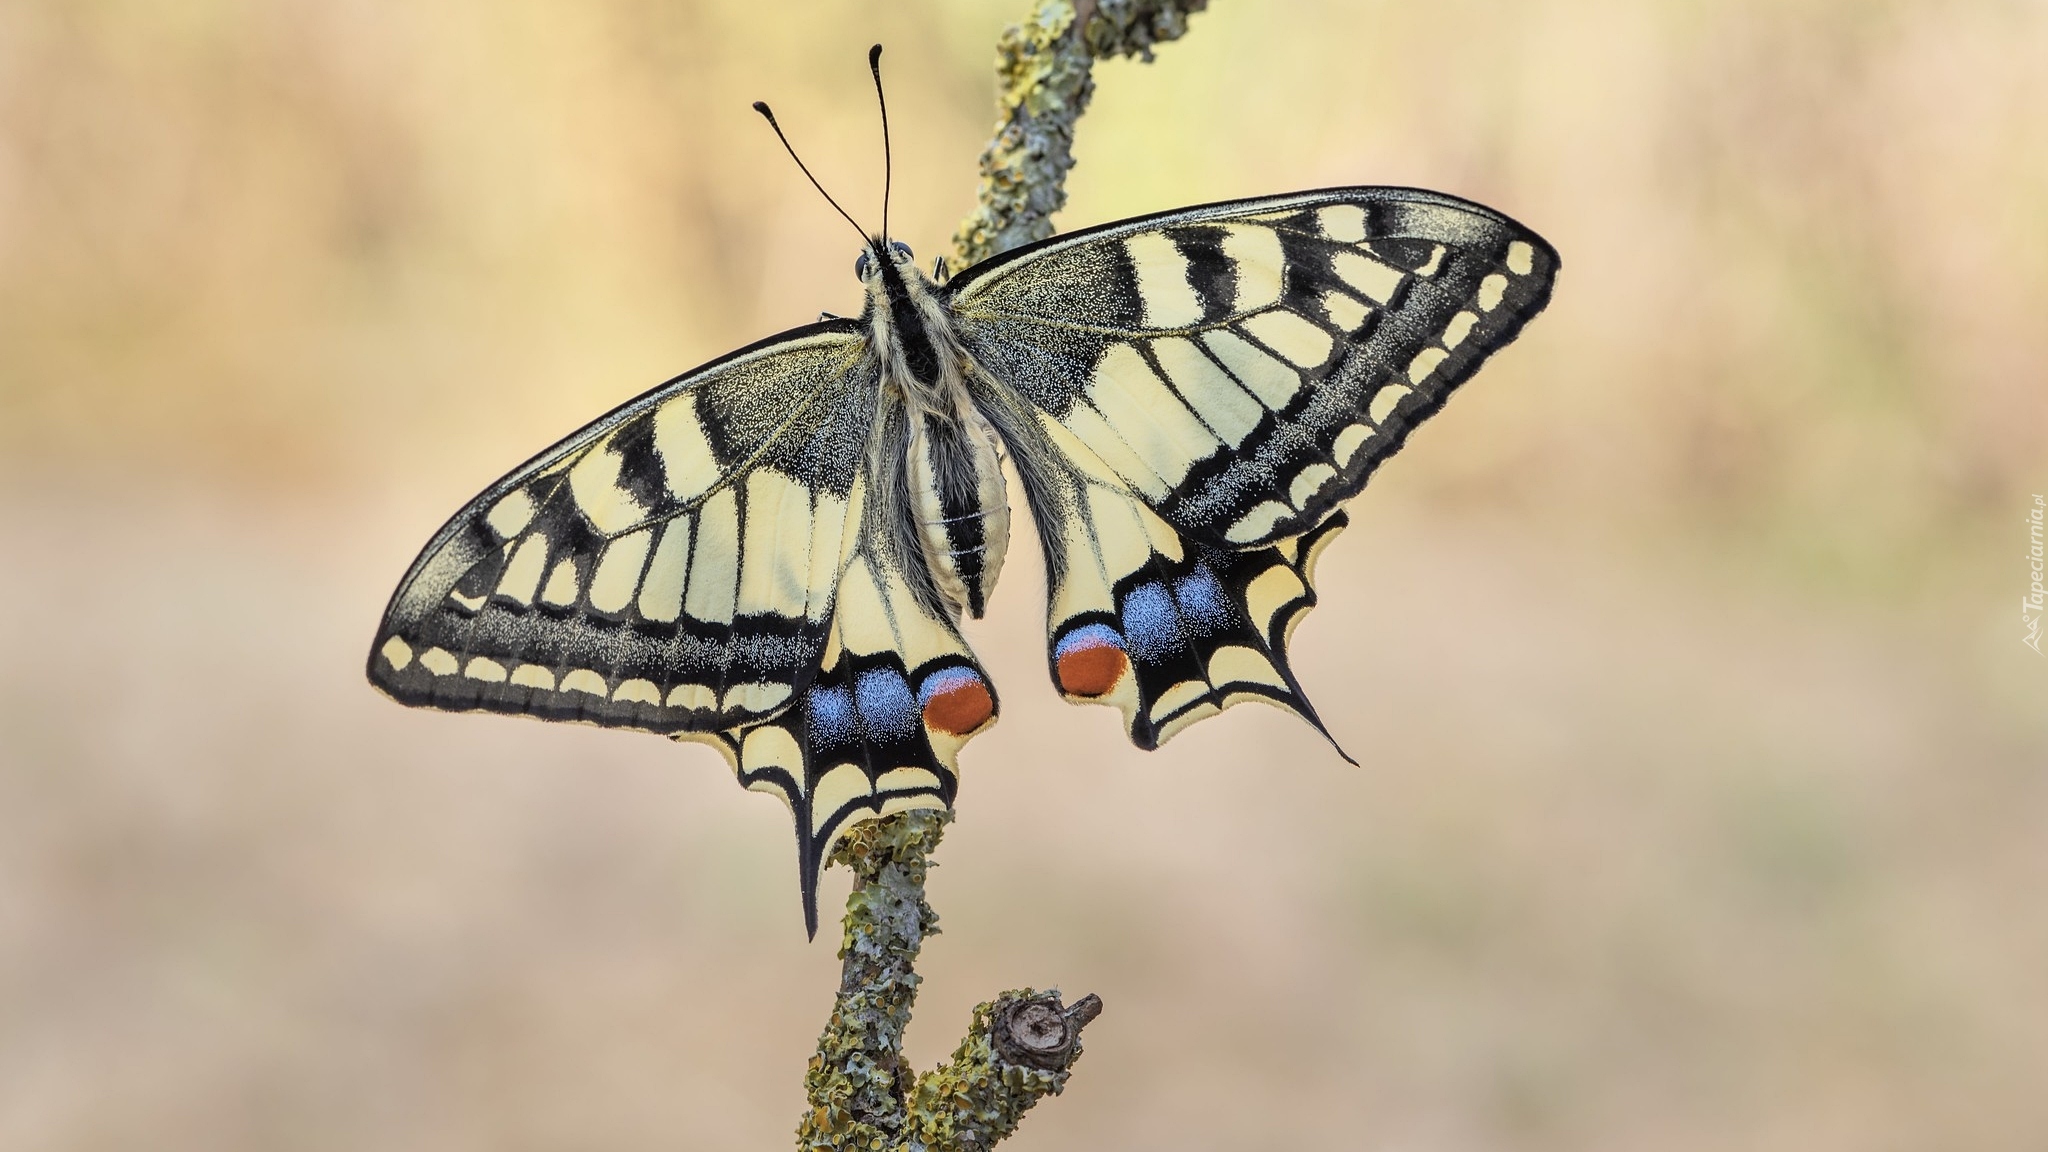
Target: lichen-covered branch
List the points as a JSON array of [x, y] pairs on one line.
[[1020, 1048], [857, 1082], [1043, 84], [1022, 1045]]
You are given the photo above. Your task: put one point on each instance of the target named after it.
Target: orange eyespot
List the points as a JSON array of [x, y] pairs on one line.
[[959, 708], [1092, 671]]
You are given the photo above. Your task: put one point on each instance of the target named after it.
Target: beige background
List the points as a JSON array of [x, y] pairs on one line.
[[1703, 802]]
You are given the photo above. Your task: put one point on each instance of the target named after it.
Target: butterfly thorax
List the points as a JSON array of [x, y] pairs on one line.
[[952, 493]]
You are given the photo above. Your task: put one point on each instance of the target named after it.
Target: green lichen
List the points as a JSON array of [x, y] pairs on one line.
[[857, 1081], [1043, 84], [981, 1095], [1019, 1048]]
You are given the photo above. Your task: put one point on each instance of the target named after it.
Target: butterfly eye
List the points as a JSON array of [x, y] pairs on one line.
[[902, 251], [860, 265]]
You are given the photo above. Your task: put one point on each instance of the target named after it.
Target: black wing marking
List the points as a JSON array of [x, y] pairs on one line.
[[670, 567], [1244, 367]]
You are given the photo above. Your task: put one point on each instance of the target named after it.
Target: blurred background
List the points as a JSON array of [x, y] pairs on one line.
[[1704, 798]]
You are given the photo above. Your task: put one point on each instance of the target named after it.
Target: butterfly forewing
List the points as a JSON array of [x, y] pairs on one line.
[[671, 567], [1244, 366]]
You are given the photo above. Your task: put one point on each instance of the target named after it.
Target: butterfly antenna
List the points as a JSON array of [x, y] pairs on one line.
[[875, 66], [761, 106]]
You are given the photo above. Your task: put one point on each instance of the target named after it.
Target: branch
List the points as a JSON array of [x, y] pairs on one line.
[[1022, 1045], [1044, 83]]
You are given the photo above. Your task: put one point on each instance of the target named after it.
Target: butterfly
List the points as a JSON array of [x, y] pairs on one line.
[[771, 553]]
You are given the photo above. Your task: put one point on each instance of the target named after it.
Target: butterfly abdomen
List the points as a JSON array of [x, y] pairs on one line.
[[962, 513]]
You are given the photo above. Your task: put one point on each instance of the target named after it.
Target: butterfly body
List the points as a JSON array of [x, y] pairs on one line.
[[771, 553], [954, 497]]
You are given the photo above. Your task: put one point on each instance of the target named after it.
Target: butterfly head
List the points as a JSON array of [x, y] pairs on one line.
[[867, 265]]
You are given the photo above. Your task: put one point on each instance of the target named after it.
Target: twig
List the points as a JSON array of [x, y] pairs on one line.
[[1022, 1045], [1043, 83]]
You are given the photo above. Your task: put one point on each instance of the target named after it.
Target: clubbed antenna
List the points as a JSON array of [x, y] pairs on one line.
[[875, 67], [761, 106]]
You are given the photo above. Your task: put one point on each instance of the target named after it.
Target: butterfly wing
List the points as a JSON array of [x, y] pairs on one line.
[[671, 567], [879, 729], [1226, 376], [709, 561]]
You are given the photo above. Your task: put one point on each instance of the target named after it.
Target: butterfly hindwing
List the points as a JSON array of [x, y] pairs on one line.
[[671, 567], [880, 728], [1243, 367], [1164, 626]]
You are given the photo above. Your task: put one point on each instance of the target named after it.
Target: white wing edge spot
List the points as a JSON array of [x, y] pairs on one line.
[[438, 661], [1236, 664], [1308, 482], [755, 696], [1492, 291], [843, 783], [906, 778], [1257, 522], [695, 697], [1459, 328], [1383, 402], [584, 680], [1348, 443], [1424, 363], [396, 653], [1521, 258], [533, 676], [642, 691], [1177, 697], [1269, 593]]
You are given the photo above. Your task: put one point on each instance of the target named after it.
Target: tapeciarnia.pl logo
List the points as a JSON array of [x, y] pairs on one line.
[[2031, 606]]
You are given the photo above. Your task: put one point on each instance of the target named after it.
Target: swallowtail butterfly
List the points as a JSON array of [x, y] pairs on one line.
[[771, 553]]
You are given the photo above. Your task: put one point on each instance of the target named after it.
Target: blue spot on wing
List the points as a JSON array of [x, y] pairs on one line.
[[1151, 622], [829, 714], [887, 709], [1203, 604]]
